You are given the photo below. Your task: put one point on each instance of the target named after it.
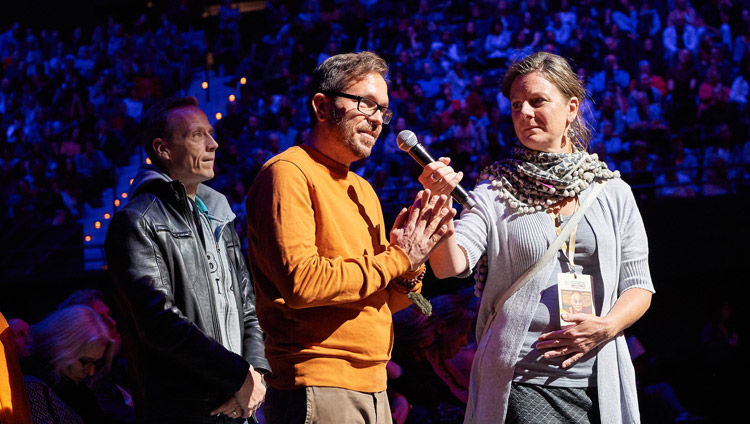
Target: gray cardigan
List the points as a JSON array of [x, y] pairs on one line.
[[513, 242]]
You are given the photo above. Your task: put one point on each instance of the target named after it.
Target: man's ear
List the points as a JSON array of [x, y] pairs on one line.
[[161, 148], [320, 105]]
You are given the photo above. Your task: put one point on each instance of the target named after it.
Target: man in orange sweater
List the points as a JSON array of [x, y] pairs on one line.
[[327, 278]]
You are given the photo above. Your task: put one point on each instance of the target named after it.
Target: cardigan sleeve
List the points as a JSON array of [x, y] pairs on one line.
[[634, 268], [473, 228]]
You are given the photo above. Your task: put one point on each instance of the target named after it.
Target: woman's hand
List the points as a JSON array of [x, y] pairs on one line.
[[587, 332], [440, 178]]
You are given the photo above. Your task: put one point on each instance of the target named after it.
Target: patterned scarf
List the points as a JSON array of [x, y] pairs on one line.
[[533, 181]]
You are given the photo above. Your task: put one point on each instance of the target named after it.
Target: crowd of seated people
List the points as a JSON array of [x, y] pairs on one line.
[[69, 108], [669, 84]]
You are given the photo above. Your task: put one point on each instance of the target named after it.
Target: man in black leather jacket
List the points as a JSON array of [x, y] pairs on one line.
[[181, 283]]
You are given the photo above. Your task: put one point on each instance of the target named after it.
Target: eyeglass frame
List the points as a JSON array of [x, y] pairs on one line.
[[97, 363], [387, 117]]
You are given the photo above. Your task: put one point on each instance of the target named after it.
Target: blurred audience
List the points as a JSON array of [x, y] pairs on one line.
[[78, 95], [658, 400], [71, 350], [21, 336], [433, 386], [111, 390]]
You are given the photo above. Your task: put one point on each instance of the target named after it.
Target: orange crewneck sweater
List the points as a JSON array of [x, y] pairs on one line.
[[321, 264]]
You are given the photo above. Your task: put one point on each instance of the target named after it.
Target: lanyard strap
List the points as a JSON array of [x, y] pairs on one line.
[[569, 249], [543, 261]]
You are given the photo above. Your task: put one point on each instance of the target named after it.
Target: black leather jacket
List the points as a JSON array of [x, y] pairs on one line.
[[166, 306]]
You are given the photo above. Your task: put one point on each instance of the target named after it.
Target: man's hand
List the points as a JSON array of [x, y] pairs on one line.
[[419, 228], [230, 408], [250, 395]]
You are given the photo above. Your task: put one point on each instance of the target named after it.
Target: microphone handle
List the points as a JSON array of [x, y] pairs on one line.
[[423, 157], [462, 197]]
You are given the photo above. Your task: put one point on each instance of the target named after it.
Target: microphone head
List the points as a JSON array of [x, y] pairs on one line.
[[406, 140]]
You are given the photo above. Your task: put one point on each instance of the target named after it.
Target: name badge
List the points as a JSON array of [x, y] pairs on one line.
[[575, 293]]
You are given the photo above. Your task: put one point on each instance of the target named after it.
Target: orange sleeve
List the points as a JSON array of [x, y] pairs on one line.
[[282, 228]]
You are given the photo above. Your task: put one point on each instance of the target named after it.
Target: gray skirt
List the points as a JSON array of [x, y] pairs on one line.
[[534, 404]]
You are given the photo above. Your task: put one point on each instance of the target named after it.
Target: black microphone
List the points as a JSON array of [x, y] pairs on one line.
[[407, 141]]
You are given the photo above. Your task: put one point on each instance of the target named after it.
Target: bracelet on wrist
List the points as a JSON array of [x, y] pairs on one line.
[[410, 283]]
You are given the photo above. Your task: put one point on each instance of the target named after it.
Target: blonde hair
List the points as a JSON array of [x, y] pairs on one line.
[[66, 334], [556, 70]]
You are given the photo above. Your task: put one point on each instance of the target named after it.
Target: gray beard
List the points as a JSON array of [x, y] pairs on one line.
[[346, 137]]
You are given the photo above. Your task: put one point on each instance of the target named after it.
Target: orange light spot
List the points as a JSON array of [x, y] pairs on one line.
[[107, 216], [117, 203], [124, 195], [131, 181], [231, 97], [218, 115], [243, 80], [97, 225], [87, 238], [148, 161], [204, 85]]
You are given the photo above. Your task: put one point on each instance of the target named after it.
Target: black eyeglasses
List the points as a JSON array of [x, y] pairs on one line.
[[96, 363], [365, 105]]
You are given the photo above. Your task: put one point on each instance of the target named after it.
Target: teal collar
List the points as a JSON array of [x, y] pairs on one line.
[[201, 206]]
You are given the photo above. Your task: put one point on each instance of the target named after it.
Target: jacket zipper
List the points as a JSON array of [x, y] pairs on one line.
[[220, 259], [214, 320]]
